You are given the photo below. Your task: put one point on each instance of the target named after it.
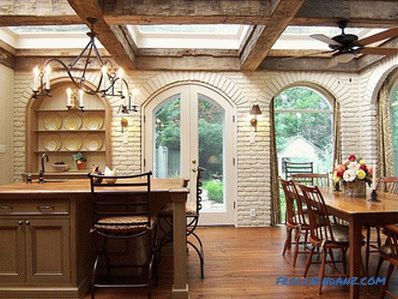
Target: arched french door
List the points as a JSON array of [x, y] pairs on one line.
[[189, 126]]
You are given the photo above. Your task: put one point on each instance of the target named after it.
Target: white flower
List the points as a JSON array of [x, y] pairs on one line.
[[349, 175], [353, 165]]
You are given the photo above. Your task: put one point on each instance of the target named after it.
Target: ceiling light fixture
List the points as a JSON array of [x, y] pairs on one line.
[[111, 80]]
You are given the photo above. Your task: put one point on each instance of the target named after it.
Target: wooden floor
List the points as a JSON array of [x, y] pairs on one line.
[[243, 263]]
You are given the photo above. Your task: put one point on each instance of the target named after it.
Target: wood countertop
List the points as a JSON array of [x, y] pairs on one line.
[[83, 187]]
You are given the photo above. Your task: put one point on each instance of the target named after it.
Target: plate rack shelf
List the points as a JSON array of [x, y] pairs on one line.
[[52, 129]]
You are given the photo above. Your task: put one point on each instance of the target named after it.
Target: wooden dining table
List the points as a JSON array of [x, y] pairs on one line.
[[359, 212]]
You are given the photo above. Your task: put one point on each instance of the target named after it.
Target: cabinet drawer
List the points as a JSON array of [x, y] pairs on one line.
[[35, 207]]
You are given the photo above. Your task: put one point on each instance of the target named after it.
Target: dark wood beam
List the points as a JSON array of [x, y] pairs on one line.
[[7, 58], [359, 13], [112, 37], [306, 64], [21, 12], [264, 37], [187, 11]]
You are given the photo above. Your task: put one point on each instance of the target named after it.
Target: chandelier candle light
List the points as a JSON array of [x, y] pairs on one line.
[[111, 82]]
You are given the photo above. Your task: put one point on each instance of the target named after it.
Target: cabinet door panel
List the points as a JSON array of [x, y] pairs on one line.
[[12, 251], [48, 251]]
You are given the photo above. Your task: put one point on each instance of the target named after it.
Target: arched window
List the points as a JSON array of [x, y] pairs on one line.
[[303, 124], [394, 127]]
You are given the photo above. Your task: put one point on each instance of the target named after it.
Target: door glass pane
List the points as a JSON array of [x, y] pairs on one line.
[[211, 153], [167, 149]]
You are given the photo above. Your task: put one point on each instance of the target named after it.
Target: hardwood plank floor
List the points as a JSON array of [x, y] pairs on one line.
[[243, 263]]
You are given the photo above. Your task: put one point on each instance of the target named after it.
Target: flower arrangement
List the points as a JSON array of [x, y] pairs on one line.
[[351, 170]]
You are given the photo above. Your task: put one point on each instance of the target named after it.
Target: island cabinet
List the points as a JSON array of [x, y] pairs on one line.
[[45, 246]]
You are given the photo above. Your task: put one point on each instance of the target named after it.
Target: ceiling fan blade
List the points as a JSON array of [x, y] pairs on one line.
[[332, 63], [325, 39], [379, 51], [389, 33]]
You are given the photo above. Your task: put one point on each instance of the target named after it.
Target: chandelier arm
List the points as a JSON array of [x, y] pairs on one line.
[[97, 54], [83, 76], [80, 55], [67, 70]]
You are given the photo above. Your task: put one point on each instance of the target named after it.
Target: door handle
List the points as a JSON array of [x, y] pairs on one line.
[[193, 161], [27, 222], [194, 170], [20, 222]]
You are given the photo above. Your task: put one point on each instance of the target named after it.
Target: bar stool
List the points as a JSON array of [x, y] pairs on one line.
[[166, 223], [122, 207]]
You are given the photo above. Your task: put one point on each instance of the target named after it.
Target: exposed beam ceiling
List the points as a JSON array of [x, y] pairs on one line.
[[360, 13], [263, 37], [112, 37]]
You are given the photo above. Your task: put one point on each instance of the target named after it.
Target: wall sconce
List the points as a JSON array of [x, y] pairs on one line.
[[254, 112]]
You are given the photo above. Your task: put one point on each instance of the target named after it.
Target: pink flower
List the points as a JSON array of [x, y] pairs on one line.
[[352, 158]]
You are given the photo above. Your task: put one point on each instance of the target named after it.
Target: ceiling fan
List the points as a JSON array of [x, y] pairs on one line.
[[345, 47]]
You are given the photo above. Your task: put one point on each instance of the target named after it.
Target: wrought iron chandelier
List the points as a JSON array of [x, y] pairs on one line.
[[111, 82]]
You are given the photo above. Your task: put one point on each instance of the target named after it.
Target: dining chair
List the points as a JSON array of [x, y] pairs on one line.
[[389, 253], [314, 179], [165, 223], [122, 211], [324, 236], [295, 219], [290, 168], [390, 185]]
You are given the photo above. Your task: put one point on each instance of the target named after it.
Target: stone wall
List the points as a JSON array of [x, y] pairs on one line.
[[243, 90]]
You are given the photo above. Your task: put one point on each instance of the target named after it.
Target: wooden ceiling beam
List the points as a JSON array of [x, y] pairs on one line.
[[36, 12], [112, 37], [187, 11], [264, 37], [359, 13]]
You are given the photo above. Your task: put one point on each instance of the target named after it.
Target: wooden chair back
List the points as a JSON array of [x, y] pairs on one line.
[[312, 179], [116, 199], [294, 204], [320, 227], [388, 184], [290, 168]]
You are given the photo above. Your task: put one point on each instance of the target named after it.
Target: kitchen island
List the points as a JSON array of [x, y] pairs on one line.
[[46, 249]]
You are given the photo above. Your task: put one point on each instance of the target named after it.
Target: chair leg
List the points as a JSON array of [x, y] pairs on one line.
[[309, 261], [367, 251], [322, 271], [94, 275], [388, 277], [344, 259], [288, 241], [379, 263], [296, 249], [202, 276], [199, 241]]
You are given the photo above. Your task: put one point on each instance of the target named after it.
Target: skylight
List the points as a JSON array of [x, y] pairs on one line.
[[205, 36], [49, 29], [206, 29]]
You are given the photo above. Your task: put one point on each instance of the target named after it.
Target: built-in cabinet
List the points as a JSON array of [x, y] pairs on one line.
[[45, 247], [38, 250], [59, 132]]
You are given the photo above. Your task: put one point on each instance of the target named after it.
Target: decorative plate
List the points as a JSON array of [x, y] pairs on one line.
[[72, 122], [52, 122], [93, 121], [52, 142], [72, 142], [92, 142]]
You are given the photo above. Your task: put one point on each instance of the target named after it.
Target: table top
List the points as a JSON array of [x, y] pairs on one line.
[[83, 186], [353, 205]]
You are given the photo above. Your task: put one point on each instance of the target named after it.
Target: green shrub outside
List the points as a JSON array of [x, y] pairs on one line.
[[215, 190]]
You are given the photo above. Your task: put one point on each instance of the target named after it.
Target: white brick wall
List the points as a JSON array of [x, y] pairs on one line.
[[243, 89]]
